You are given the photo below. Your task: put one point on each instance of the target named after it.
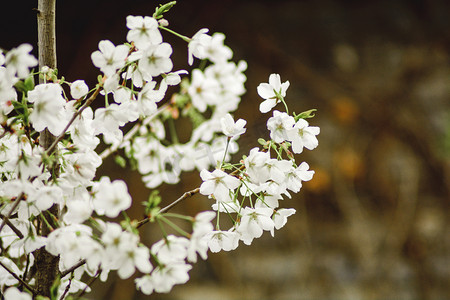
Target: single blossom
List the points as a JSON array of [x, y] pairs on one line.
[[78, 89], [109, 58], [253, 222], [280, 125], [218, 183], [303, 136], [154, 60], [165, 277], [198, 44], [295, 176], [49, 108], [134, 257], [19, 60], [110, 198], [280, 218], [272, 92], [255, 164], [143, 31], [223, 240], [204, 90], [14, 293], [216, 51], [230, 128]]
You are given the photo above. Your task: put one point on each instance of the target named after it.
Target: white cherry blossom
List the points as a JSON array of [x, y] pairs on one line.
[[132, 118], [218, 183], [13, 293], [231, 128], [272, 92], [253, 222], [295, 176], [303, 136], [48, 109], [223, 240], [155, 59], [78, 89], [19, 60], [280, 125], [143, 31], [280, 218], [110, 198], [198, 44], [109, 58]]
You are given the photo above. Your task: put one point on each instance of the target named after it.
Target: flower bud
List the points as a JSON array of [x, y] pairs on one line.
[[163, 22]]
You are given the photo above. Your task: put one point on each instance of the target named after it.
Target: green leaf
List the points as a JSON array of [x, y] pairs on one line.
[[262, 142], [181, 100], [154, 198], [54, 288], [120, 161], [29, 83], [152, 203], [227, 166], [195, 116], [305, 115], [20, 86], [162, 9]]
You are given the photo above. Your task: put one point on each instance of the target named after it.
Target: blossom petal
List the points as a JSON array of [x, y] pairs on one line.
[[267, 105], [265, 91]]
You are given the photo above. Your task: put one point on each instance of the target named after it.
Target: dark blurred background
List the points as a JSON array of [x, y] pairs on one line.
[[373, 223]]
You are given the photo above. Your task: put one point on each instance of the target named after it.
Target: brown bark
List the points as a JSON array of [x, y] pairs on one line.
[[46, 265]]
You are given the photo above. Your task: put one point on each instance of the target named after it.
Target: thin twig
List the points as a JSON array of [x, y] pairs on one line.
[[3, 134], [27, 265], [18, 278], [73, 268], [66, 290], [183, 197], [91, 281], [75, 115], [13, 228], [14, 206]]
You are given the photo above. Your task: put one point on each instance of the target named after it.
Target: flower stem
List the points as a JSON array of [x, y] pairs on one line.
[[175, 227], [184, 38], [225, 153]]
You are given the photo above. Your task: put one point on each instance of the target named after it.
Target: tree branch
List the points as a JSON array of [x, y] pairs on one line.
[[73, 268], [46, 264], [91, 281], [14, 206], [13, 228], [18, 278]]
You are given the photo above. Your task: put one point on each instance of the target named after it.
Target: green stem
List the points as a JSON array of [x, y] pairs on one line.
[[173, 131], [162, 227], [285, 105], [225, 153], [185, 38], [173, 215], [175, 227], [218, 215]]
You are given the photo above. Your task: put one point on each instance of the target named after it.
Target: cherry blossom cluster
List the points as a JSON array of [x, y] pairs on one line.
[[56, 186]]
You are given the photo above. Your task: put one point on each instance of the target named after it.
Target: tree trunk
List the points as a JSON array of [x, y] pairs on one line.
[[46, 265]]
